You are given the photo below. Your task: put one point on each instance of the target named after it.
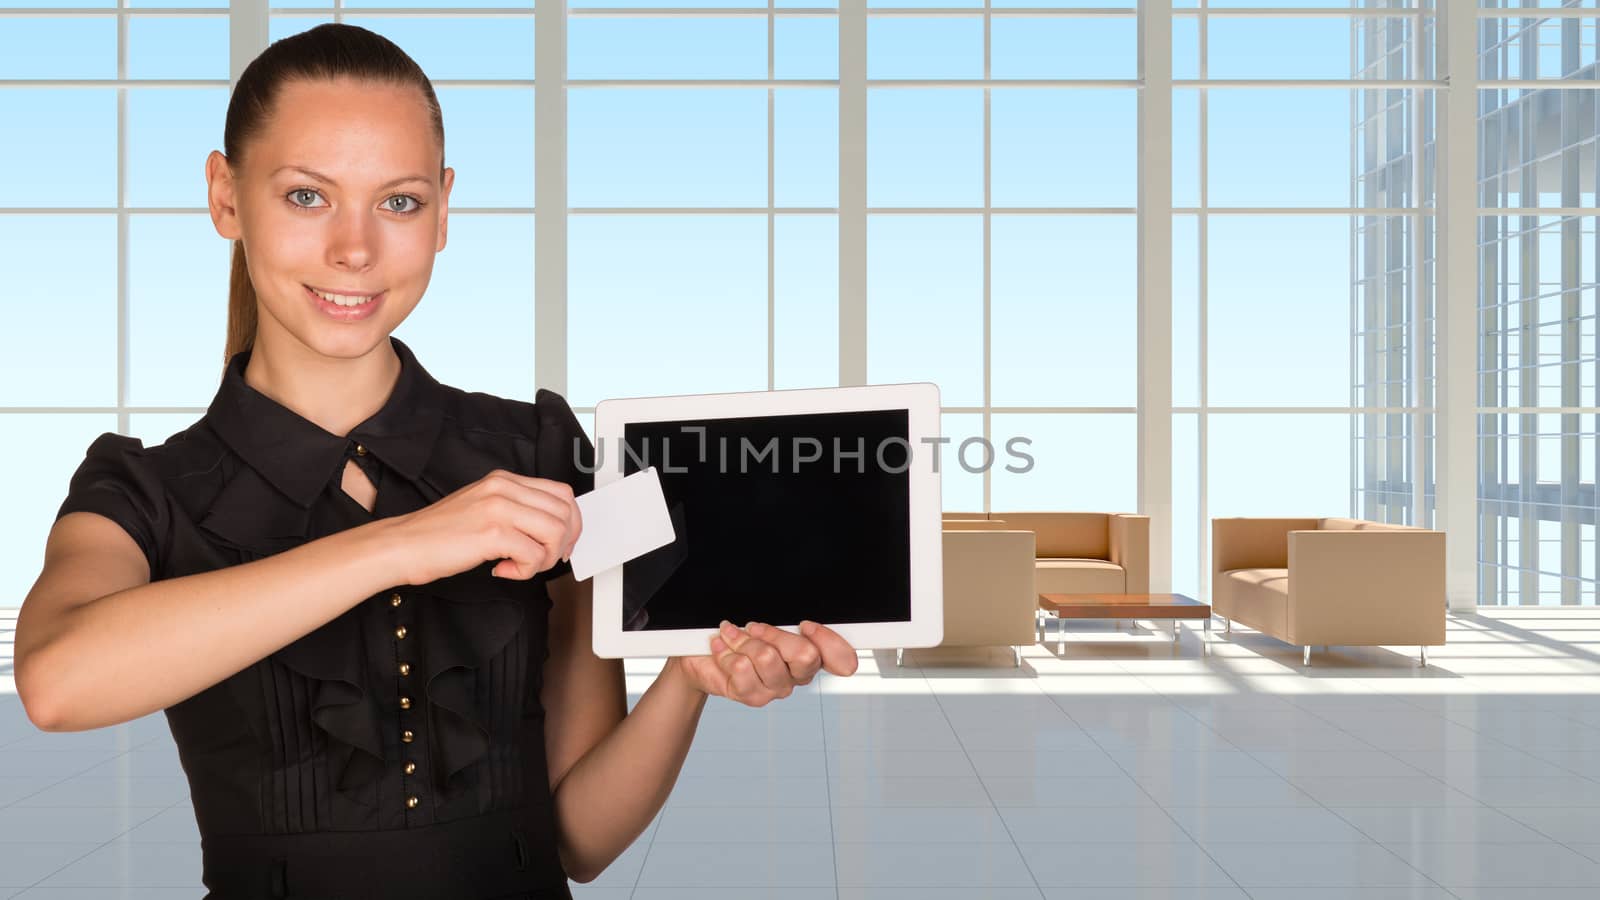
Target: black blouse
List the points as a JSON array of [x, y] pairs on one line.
[[398, 750]]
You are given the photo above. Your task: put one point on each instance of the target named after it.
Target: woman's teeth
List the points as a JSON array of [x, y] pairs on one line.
[[343, 299]]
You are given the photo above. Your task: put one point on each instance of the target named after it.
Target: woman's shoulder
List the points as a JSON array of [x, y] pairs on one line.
[[486, 412], [181, 453]]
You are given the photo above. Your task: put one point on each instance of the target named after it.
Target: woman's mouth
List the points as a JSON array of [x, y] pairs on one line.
[[346, 307]]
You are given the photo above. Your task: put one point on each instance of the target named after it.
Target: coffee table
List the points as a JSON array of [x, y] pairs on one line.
[[1121, 606]]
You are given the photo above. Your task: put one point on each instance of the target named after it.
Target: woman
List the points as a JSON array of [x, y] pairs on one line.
[[347, 584]]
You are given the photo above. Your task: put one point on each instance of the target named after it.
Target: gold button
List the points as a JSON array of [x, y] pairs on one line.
[[411, 803], [400, 632], [405, 702], [394, 600], [360, 450], [405, 668], [411, 767], [405, 736]]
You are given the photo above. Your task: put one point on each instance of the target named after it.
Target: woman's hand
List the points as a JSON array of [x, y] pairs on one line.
[[759, 663], [528, 523]]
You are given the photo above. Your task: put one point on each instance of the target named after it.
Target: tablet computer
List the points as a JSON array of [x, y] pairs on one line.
[[818, 503]]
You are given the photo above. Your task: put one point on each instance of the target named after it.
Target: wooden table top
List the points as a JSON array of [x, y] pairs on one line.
[[1124, 606]]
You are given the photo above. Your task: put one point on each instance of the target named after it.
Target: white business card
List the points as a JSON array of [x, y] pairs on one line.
[[621, 521]]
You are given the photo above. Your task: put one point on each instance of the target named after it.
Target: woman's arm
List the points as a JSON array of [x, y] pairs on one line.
[[610, 770], [145, 648]]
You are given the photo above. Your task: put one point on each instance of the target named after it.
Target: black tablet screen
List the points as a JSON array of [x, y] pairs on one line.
[[777, 519]]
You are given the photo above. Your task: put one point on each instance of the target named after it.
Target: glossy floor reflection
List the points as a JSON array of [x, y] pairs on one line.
[[1120, 767]]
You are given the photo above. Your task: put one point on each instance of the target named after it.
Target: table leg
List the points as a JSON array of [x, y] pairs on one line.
[[1061, 634], [1175, 631]]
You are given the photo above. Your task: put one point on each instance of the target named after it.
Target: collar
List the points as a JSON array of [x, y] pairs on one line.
[[299, 457]]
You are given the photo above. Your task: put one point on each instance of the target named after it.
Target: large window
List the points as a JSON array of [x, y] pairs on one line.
[[811, 194], [1537, 244]]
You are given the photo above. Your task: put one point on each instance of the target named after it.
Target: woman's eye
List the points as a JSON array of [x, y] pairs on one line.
[[404, 198], [296, 195]]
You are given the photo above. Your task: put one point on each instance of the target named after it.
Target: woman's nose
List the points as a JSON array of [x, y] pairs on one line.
[[350, 243]]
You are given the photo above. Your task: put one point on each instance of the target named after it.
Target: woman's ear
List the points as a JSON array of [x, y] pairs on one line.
[[221, 196], [444, 208]]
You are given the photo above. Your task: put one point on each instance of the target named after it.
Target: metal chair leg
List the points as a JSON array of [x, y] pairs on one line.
[[1306, 656], [1018, 654], [1424, 650], [1227, 627], [898, 651]]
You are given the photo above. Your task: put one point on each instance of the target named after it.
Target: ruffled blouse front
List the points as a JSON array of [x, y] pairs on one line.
[[418, 705]]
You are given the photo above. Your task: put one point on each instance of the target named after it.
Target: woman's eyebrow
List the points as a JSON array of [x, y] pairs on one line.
[[323, 178]]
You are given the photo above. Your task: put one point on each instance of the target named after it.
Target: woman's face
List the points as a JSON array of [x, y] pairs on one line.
[[339, 193]]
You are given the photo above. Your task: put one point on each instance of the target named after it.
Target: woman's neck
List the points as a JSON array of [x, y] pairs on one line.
[[336, 394]]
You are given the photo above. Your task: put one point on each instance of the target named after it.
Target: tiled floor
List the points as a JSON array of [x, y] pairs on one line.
[[1121, 768]]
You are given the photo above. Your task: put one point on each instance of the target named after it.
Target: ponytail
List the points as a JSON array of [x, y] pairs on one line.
[[241, 306]]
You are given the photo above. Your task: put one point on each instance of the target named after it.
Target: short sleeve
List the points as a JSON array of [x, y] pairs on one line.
[[563, 452], [118, 481]]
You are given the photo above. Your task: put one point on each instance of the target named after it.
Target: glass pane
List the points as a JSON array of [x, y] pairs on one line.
[[1064, 311], [1187, 577], [1299, 4], [1525, 48], [1278, 308], [424, 4], [177, 326], [1185, 311], [1278, 465], [925, 304], [667, 147], [1538, 150], [960, 490], [58, 348], [1061, 47], [170, 133], [933, 47], [1307, 47], [1041, 156], [474, 327], [924, 147], [39, 47], [806, 301], [178, 47], [1279, 147], [1185, 148], [1186, 47], [63, 4], [488, 140], [666, 304], [71, 152], [1536, 474], [462, 46], [805, 132], [806, 47], [655, 47], [49, 447], [1040, 462]]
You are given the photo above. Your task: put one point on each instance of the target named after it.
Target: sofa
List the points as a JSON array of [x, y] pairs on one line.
[[1078, 552], [1330, 582], [988, 596]]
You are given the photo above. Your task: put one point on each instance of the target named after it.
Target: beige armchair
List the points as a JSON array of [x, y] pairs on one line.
[[1078, 553], [988, 595], [1330, 582]]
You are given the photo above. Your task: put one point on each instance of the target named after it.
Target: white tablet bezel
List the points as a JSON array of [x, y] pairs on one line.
[[921, 402]]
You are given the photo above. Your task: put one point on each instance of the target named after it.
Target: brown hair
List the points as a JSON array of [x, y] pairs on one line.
[[324, 52]]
